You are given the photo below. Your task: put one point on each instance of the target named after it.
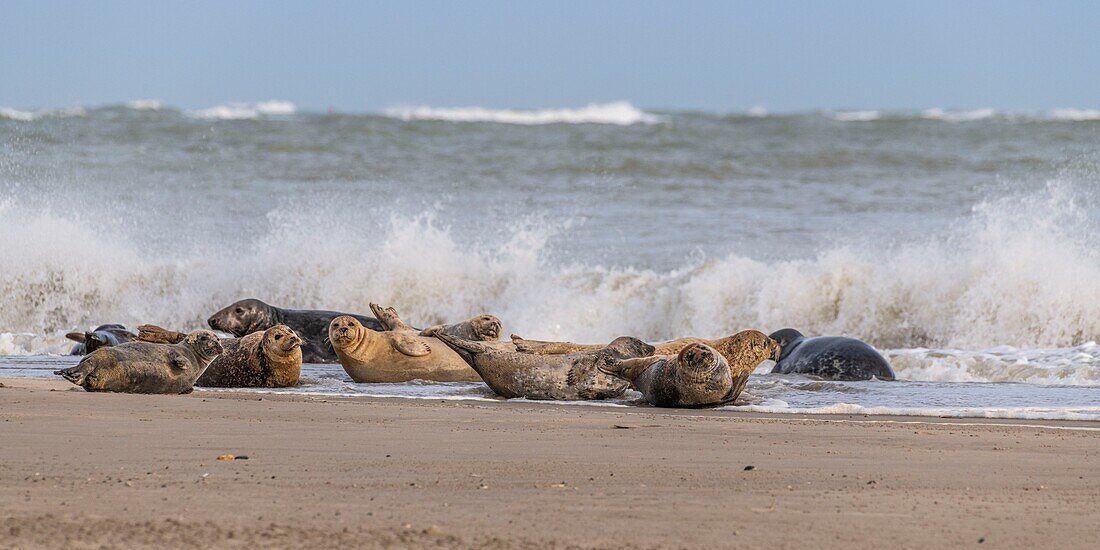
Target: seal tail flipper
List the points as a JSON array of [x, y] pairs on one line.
[[77, 336], [158, 335], [75, 374], [388, 317]]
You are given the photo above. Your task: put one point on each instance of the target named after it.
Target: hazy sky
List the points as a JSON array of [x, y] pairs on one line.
[[719, 56]]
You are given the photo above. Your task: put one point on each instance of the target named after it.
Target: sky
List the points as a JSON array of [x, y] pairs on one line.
[[693, 55]]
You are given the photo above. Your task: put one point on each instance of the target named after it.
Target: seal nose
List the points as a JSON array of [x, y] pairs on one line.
[[213, 324]]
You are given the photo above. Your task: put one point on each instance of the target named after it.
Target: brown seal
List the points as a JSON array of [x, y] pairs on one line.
[[699, 375], [268, 359], [143, 367], [570, 377], [158, 335], [397, 355], [729, 346]]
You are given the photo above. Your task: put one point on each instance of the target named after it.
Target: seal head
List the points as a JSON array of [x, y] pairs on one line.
[[242, 317]]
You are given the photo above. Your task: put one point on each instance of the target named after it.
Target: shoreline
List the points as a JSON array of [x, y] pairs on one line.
[[81, 469]]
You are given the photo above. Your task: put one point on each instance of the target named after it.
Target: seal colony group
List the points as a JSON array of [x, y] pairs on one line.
[[269, 345]]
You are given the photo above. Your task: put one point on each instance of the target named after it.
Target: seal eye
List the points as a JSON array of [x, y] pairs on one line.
[[239, 310], [278, 336]]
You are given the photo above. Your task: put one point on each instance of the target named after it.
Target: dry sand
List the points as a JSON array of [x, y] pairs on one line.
[[99, 470]]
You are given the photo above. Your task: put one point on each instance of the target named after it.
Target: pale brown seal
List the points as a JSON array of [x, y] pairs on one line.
[[143, 367], [268, 359], [571, 377], [397, 355], [729, 346], [699, 375], [158, 335]]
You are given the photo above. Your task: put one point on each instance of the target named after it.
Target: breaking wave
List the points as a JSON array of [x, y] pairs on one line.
[[856, 116], [28, 116], [958, 116], [244, 111], [1020, 270], [618, 112]]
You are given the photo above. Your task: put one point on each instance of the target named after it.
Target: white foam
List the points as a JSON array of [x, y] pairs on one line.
[[1078, 115], [244, 111], [958, 116], [1024, 413], [757, 111], [856, 116], [618, 112], [27, 116], [989, 282], [145, 105]]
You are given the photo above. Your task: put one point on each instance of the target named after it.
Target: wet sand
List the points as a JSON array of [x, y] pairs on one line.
[[91, 470]]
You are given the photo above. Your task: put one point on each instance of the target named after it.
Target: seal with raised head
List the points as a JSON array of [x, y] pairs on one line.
[[248, 316], [103, 336], [268, 359], [731, 347], [693, 380], [370, 356], [829, 357], [483, 328], [513, 374], [144, 367]]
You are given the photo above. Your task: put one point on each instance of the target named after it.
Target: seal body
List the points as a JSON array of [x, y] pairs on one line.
[[829, 357], [699, 375], [370, 356], [577, 376], [102, 336], [248, 316], [143, 367], [268, 359]]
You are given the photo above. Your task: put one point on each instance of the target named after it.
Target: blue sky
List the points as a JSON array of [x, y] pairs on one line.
[[716, 56]]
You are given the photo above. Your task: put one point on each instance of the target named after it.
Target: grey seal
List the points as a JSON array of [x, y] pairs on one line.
[[103, 335], [829, 357], [144, 367]]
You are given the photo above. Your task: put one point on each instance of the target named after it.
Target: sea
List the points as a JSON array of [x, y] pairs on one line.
[[962, 244]]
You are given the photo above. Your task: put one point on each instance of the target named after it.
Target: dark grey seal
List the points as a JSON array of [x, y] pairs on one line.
[[102, 336], [828, 357], [144, 367], [248, 316]]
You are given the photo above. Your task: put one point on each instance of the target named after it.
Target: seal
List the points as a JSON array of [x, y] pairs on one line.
[[483, 328], [577, 376], [699, 375], [102, 336], [829, 357], [144, 367], [268, 359], [731, 347], [399, 355], [248, 316]]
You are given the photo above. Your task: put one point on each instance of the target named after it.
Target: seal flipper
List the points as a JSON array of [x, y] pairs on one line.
[[180, 362], [77, 336], [410, 345], [158, 335], [388, 317], [466, 349]]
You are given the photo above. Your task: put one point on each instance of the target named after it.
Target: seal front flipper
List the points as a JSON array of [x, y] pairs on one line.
[[180, 362], [410, 345]]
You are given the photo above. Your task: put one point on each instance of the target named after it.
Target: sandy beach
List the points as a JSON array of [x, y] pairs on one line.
[[85, 470]]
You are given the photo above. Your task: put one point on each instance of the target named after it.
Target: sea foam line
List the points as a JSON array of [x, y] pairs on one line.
[[619, 112]]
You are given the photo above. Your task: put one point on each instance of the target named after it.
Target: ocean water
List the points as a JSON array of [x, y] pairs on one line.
[[963, 244]]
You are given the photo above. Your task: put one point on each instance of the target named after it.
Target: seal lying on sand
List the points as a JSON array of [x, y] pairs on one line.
[[268, 359], [694, 377], [248, 316], [829, 357], [394, 356], [102, 336], [143, 367], [575, 376]]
